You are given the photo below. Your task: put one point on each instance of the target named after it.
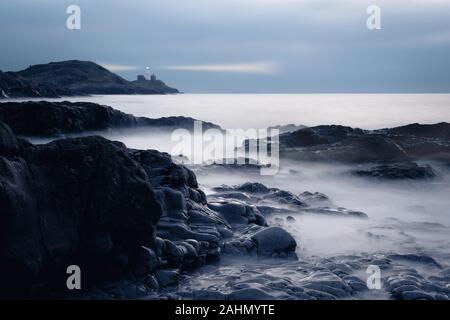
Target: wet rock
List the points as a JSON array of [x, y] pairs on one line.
[[274, 240], [151, 282], [234, 212], [8, 143], [269, 201], [415, 295], [398, 171], [253, 187], [249, 294], [208, 295], [338, 212], [344, 144], [146, 262], [284, 197], [422, 259], [315, 198], [167, 277], [290, 219], [44, 118], [88, 191]]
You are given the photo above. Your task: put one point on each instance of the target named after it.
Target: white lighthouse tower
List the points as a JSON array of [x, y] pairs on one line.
[[147, 73]]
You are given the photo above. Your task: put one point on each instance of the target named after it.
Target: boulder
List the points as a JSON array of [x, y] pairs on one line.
[[274, 240]]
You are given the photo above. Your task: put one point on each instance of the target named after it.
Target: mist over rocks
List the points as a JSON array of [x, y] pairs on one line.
[[141, 226], [266, 201], [353, 145], [44, 118], [120, 214]]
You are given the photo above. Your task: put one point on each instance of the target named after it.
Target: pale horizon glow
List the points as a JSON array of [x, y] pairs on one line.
[[258, 67]]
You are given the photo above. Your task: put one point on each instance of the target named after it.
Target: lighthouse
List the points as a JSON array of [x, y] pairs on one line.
[[147, 73]]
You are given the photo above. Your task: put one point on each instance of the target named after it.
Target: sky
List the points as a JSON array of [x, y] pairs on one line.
[[241, 46]]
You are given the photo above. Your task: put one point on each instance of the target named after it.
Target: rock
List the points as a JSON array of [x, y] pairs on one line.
[[338, 212], [87, 190], [43, 118], [101, 243], [422, 259], [315, 198], [344, 144], [235, 212], [290, 219], [13, 85], [284, 197], [250, 294], [253, 187], [266, 201], [8, 143], [415, 295], [151, 282], [208, 295], [93, 202], [167, 277], [147, 262], [181, 231], [274, 240], [397, 171]]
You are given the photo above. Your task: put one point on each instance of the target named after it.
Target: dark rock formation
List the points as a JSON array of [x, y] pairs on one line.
[[345, 144], [13, 85], [43, 118], [274, 240], [78, 201], [129, 217], [94, 203], [286, 128], [265, 201], [405, 277], [74, 77], [397, 171]]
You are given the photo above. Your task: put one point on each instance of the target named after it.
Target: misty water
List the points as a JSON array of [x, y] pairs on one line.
[[404, 217]]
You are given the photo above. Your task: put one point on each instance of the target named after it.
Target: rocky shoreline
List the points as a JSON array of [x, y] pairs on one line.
[[139, 225]]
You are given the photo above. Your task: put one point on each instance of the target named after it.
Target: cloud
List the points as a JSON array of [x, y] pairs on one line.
[[256, 67], [118, 67]]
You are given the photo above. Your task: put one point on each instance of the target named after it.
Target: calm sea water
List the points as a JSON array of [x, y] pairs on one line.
[[368, 111]]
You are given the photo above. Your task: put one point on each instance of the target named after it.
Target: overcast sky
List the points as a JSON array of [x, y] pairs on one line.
[[241, 45]]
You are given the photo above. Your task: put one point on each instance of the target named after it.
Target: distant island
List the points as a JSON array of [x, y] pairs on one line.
[[74, 78]]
